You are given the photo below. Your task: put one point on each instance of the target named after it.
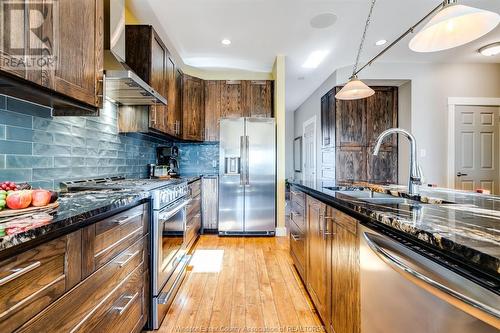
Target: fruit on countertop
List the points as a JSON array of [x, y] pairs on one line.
[[53, 196], [19, 199], [40, 198], [3, 196], [8, 186]]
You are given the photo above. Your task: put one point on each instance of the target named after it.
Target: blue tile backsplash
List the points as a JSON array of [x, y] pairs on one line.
[[198, 158], [41, 150]]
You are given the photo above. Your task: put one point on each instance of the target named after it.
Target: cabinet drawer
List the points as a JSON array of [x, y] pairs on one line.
[[344, 220], [83, 306], [103, 240], [194, 207], [297, 216], [32, 280], [297, 196], [192, 230], [298, 248], [195, 188]]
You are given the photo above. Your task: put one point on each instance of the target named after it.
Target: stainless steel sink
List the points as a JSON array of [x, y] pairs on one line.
[[379, 198]]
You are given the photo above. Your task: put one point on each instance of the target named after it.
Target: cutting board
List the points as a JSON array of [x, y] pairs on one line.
[[30, 210]]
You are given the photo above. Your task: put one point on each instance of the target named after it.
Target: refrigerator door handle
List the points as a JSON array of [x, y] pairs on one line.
[[247, 158], [464, 302], [243, 163]]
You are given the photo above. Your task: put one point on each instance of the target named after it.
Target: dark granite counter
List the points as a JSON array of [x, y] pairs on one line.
[[75, 211], [461, 224]]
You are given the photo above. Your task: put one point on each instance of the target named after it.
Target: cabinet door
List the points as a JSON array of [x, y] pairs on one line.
[[178, 102], [351, 164], [317, 256], [193, 122], [258, 98], [232, 99], [328, 119], [345, 288], [383, 168], [79, 51], [14, 46], [351, 122], [172, 117], [212, 110], [159, 60], [382, 114]]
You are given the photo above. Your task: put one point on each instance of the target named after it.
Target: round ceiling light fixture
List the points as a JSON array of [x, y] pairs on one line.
[[322, 21], [381, 42], [490, 50], [452, 26], [226, 42]]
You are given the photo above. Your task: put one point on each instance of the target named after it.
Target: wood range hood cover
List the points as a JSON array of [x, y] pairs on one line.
[[122, 86]]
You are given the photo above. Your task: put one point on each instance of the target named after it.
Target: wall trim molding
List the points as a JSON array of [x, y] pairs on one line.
[[452, 103], [280, 231]]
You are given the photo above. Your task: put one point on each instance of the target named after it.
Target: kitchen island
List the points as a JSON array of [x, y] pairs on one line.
[[352, 247]]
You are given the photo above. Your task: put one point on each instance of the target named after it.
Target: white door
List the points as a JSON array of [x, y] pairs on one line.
[[477, 148], [309, 162]]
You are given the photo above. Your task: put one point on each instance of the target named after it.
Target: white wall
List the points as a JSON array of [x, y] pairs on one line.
[[310, 108], [425, 94]]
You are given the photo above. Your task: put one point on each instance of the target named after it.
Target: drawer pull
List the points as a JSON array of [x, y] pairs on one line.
[[296, 237], [18, 272], [130, 257], [125, 219], [131, 300]]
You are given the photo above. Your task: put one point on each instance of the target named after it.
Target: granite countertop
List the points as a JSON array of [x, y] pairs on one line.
[[75, 210], [462, 224]]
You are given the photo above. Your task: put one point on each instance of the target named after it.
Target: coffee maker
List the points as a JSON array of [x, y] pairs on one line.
[[167, 164]]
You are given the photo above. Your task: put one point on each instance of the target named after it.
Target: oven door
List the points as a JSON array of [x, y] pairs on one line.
[[169, 229]]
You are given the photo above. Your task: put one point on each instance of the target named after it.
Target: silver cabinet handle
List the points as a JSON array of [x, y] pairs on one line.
[[465, 303], [130, 256], [18, 272], [124, 308], [125, 219]]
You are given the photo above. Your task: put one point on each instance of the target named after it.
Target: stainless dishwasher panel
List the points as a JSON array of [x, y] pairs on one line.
[[210, 202], [402, 291]]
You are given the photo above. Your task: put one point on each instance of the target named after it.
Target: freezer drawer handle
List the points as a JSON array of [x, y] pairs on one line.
[[465, 303]]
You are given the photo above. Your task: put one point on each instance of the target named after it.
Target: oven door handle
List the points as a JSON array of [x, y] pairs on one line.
[[169, 213]]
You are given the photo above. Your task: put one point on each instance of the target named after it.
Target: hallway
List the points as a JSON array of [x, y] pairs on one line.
[[241, 285]]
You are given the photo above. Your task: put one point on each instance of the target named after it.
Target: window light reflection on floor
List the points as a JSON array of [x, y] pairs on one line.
[[207, 261]]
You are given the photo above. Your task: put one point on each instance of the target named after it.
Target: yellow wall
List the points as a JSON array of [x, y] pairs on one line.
[[130, 17], [279, 112]]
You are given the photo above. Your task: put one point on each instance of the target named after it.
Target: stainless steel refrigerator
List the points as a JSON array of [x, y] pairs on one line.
[[247, 176]]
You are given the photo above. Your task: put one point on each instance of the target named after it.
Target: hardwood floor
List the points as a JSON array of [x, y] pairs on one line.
[[241, 285]]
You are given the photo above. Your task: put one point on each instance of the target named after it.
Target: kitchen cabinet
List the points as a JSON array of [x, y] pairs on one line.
[[210, 203], [193, 109], [258, 98], [298, 231], [74, 50], [317, 255], [351, 164], [174, 107], [232, 99], [350, 122], [193, 211], [212, 109], [345, 284], [92, 280], [148, 57]]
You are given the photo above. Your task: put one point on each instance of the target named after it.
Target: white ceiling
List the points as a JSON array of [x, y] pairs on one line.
[[261, 29]]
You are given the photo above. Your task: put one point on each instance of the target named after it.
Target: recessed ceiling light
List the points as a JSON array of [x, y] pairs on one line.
[[323, 20], [380, 42], [490, 50], [315, 59], [226, 42]]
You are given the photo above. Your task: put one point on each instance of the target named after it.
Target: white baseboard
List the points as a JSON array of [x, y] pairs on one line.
[[280, 231]]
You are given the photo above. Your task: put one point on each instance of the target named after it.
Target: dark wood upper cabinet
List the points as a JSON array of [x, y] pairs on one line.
[[232, 99], [382, 114], [148, 57], [259, 98], [193, 122], [351, 122], [174, 115], [212, 109], [328, 120], [73, 48]]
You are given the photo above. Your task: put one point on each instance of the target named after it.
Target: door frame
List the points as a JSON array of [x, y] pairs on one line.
[[452, 103], [306, 123]]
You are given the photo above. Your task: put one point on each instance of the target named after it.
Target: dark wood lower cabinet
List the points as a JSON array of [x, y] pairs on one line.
[[54, 294], [332, 265]]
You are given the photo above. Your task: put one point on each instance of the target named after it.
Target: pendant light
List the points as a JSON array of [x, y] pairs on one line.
[[355, 88], [452, 26]]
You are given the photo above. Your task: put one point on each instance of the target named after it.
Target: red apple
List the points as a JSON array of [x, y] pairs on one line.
[[19, 199], [40, 198]]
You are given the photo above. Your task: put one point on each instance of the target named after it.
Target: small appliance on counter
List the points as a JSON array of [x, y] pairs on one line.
[[167, 165]]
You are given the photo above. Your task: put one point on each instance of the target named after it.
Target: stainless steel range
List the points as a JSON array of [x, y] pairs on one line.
[[169, 245]]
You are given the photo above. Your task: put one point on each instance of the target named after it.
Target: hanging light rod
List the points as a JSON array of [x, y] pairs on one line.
[[406, 33]]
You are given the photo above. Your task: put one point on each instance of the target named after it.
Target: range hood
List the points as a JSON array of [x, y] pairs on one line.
[[122, 85]]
